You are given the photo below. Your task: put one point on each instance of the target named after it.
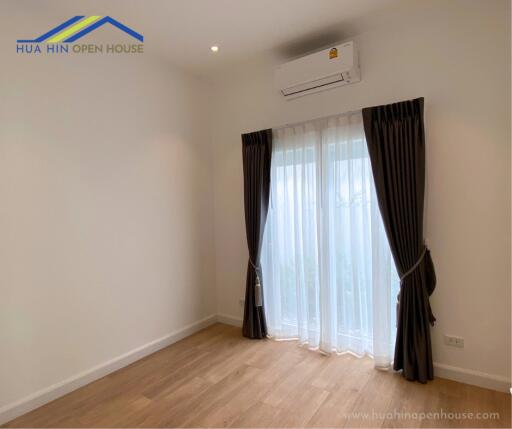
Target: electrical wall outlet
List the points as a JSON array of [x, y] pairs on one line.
[[454, 341]]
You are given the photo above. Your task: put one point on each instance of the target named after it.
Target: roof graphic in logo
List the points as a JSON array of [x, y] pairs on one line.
[[77, 27]]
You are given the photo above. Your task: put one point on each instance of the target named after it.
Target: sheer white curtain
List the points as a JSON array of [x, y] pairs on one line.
[[328, 275]]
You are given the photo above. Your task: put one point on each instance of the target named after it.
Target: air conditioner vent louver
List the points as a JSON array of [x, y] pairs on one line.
[[313, 85]]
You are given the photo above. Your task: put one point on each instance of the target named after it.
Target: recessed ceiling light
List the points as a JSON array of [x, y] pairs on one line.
[[214, 48]]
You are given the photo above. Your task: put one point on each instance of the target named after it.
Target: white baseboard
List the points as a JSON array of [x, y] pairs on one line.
[[475, 378], [229, 320], [35, 400]]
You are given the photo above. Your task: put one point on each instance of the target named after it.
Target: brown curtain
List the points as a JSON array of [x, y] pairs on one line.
[[396, 143], [256, 151]]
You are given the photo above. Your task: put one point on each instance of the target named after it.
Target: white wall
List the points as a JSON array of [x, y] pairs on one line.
[[106, 240], [456, 55]]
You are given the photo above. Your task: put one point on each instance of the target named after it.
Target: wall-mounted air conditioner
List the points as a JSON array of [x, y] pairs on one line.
[[335, 66]]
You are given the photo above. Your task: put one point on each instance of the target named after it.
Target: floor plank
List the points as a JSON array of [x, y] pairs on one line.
[[217, 378]]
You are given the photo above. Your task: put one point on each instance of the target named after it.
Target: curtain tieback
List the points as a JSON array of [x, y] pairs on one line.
[[418, 262], [431, 317], [258, 297]]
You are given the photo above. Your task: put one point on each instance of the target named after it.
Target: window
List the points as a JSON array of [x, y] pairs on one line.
[[328, 275]]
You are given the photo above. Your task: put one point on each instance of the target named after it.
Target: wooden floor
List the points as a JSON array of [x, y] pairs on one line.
[[217, 378]]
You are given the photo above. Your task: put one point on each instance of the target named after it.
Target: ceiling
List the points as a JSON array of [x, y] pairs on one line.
[[184, 30]]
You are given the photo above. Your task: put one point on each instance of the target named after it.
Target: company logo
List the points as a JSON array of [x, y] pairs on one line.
[[62, 39]]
